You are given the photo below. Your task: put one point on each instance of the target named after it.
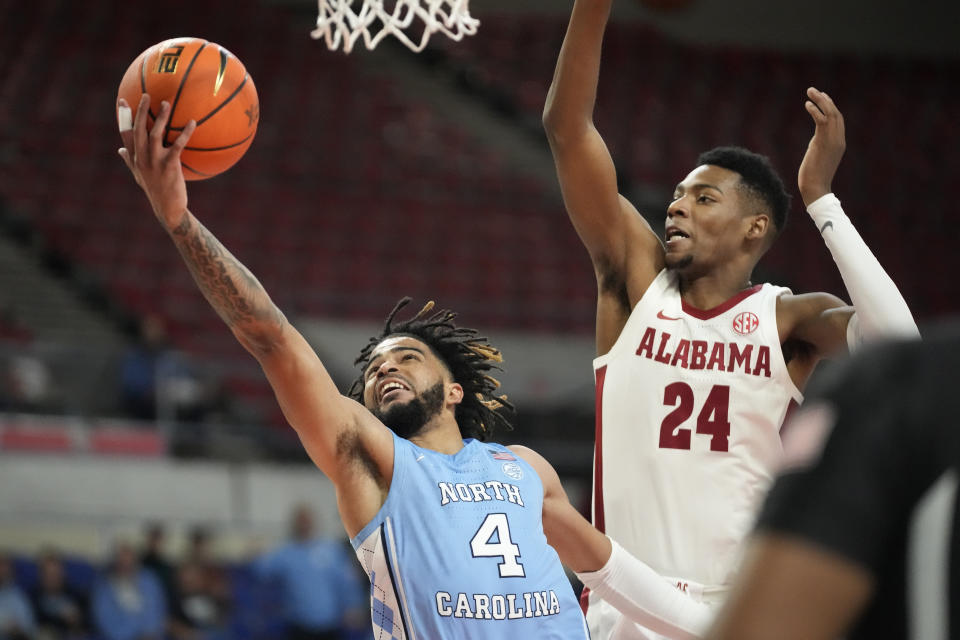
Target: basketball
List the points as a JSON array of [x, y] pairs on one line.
[[202, 81]]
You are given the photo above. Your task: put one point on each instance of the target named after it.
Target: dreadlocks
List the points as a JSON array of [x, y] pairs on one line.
[[467, 355]]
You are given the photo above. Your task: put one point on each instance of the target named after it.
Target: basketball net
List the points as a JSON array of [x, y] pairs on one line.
[[342, 22]]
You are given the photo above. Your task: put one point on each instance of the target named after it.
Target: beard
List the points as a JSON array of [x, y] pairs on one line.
[[679, 263], [408, 419]]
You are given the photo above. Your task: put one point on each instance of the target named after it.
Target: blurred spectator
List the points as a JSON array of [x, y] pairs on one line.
[[27, 383], [25, 380], [16, 618], [321, 592], [157, 382], [195, 612], [213, 574], [128, 603], [138, 371], [61, 612], [32, 377], [154, 556]]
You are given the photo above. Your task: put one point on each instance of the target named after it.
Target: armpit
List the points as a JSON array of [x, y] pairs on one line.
[[797, 350], [352, 452], [610, 277]]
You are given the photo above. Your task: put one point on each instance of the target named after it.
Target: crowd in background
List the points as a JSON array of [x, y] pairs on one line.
[[148, 379], [308, 588]]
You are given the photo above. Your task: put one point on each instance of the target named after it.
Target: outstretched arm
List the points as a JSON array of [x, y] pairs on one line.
[[792, 589], [879, 309], [322, 417], [229, 287], [636, 590], [626, 254]]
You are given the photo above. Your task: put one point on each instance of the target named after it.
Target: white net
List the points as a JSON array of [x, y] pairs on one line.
[[342, 22]]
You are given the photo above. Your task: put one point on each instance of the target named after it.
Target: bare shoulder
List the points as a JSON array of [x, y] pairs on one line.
[[528, 454], [818, 319], [797, 309], [548, 475]]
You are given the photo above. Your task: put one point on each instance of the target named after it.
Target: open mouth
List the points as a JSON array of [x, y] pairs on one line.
[[673, 234], [391, 388]]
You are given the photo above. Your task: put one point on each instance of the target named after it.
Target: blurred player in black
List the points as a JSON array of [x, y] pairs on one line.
[[860, 537]]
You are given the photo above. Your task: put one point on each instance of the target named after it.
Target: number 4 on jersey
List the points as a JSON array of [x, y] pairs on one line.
[[712, 419], [496, 525]]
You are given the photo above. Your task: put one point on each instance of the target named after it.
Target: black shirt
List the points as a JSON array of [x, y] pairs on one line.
[[63, 612], [883, 491]]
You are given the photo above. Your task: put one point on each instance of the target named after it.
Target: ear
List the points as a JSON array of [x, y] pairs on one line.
[[758, 226], [454, 393]]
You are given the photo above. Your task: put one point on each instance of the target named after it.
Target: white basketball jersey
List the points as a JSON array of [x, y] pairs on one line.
[[689, 408]]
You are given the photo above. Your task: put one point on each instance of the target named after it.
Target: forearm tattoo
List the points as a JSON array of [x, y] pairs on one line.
[[234, 292]]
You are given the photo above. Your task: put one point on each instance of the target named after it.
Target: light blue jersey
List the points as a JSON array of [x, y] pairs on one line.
[[458, 551]]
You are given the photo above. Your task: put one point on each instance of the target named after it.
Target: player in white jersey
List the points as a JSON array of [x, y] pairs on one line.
[[668, 444], [696, 365]]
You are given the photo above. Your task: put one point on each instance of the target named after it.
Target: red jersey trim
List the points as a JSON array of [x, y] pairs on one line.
[[598, 520], [791, 409], [585, 600], [597, 472], [702, 314]]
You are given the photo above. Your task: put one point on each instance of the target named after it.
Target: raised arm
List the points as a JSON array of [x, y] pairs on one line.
[[626, 254], [324, 419], [636, 590], [879, 309]]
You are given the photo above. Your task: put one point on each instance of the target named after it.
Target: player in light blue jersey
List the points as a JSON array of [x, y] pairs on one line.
[[461, 538], [457, 549]]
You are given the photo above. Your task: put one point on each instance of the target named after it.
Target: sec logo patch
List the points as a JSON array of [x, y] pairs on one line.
[[746, 323]]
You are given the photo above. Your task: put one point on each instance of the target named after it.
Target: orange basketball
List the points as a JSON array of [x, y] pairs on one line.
[[202, 81]]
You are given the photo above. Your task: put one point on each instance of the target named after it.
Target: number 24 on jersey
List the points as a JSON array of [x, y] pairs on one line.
[[711, 420]]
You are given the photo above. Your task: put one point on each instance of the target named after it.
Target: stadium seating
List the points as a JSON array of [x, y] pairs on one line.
[[660, 103], [355, 194]]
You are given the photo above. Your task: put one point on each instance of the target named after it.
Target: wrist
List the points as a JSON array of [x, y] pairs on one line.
[[824, 208], [172, 219], [601, 557], [812, 194], [597, 577]]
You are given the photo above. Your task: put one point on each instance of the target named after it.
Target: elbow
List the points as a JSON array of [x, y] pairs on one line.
[[554, 118], [259, 345], [553, 122], [562, 128], [263, 339], [549, 117]]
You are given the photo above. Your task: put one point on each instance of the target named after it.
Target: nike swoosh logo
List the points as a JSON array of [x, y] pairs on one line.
[[663, 317], [223, 69], [828, 223]]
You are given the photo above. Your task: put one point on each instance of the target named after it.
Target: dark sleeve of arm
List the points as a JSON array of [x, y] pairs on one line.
[[856, 498]]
